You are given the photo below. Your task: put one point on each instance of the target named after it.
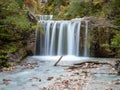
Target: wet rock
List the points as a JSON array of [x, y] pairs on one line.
[[8, 69], [40, 80], [77, 73], [66, 83], [59, 78], [116, 81], [50, 78], [35, 79], [6, 81], [44, 88], [117, 66], [29, 65]]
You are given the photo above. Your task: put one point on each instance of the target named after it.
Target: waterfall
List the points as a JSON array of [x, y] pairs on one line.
[[39, 49], [47, 38], [64, 37], [60, 39], [52, 45], [78, 39], [45, 17], [86, 39], [71, 38]]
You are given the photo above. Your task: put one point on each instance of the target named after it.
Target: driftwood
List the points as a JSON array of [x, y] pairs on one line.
[[95, 62], [81, 64], [58, 61]]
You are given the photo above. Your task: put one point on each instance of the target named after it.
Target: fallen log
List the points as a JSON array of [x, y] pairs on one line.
[[86, 64], [95, 62], [58, 61]]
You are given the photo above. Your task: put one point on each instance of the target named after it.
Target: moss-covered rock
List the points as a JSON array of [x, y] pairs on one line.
[[101, 36]]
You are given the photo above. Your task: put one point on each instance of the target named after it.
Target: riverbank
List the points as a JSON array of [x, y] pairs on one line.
[[88, 76], [39, 74]]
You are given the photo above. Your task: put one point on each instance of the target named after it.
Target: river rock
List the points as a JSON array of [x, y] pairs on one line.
[[117, 66], [6, 81], [50, 78]]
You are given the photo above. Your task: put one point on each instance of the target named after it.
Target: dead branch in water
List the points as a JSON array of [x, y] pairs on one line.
[[58, 61], [95, 62], [86, 64]]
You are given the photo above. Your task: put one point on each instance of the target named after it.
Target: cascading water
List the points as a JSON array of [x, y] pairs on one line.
[[52, 45], [66, 37], [47, 38], [60, 39], [45, 17], [86, 39]]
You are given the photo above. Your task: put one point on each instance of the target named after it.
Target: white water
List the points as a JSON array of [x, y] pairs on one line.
[[47, 38], [52, 45], [45, 17], [78, 39], [70, 38], [70, 58], [61, 39], [64, 37], [86, 40]]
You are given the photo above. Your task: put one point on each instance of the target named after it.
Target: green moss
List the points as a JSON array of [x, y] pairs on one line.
[[116, 38], [3, 61], [18, 21], [9, 48], [3, 57]]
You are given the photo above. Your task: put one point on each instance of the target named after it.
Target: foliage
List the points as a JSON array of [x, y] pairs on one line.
[[83, 8], [116, 17], [11, 15], [3, 61], [18, 21], [9, 5], [116, 12], [14, 24], [30, 3], [3, 57], [54, 7], [116, 38], [9, 48], [78, 8], [20, 3], [67, 9], [62, 14], [12, 21]]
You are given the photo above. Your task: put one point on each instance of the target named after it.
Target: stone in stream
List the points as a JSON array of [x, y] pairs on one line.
[[117, 66], [50, 78], [116, 81], [35, 79], [6, 81]]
